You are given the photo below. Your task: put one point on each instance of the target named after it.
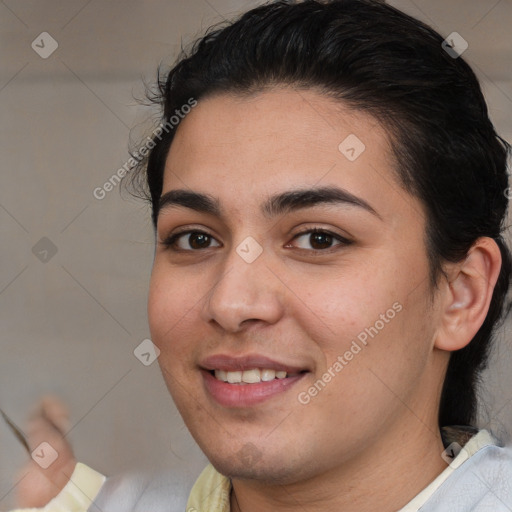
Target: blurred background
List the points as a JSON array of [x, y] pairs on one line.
[[74, 268]]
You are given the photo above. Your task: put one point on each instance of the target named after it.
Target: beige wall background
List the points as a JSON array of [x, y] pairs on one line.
[[70, 324]]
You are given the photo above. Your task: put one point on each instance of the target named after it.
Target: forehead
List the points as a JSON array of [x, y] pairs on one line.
[[243, 149]]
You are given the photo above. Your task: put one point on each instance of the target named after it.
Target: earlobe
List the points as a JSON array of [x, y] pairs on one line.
[[467, 295]]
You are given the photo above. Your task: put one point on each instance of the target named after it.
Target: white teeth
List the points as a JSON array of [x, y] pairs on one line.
[[221, 375], [234, 377], [267, 375], [252, 376]]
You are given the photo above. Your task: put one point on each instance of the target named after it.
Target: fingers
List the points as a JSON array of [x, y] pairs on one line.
[[53, 411], [48, 423]]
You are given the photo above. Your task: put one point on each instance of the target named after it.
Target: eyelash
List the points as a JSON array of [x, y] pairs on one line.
[[170, 242]]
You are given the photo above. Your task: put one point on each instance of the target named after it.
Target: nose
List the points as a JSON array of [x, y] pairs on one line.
[[243, 294]]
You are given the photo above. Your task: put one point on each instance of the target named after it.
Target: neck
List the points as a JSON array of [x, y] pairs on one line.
[[373, 481]]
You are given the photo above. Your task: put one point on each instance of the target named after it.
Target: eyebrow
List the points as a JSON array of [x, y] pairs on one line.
[[279, 204]]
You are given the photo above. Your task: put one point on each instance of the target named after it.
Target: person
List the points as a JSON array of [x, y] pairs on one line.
[[328, 195]]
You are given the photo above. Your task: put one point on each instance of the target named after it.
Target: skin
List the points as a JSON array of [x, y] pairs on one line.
[[351, 445], [48, 423]]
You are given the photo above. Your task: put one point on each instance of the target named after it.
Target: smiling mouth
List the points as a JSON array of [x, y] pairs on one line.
[[252, 376], [244, 382]]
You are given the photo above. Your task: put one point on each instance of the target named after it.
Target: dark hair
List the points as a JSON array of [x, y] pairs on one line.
[[376, 59]]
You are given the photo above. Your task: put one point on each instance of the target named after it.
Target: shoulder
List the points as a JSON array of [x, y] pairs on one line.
[[483, 482]]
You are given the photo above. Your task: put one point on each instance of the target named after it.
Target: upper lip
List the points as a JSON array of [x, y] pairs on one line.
[[248, 362]]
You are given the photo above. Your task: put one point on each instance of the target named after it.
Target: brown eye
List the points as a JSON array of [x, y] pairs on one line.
[[198, 240], [190, 241], [319, 239]]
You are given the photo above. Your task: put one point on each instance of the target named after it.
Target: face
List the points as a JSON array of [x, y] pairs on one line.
[[293, 326]]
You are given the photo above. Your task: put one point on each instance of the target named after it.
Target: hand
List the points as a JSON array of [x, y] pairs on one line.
[[37, 486]]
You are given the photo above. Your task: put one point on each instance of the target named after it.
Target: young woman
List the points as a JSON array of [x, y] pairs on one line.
[[328, 195]]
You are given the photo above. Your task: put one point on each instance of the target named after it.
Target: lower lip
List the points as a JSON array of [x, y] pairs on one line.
[[246, 395]]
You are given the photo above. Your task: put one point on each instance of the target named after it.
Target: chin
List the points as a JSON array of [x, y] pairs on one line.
[[262, 472], [254, 463]]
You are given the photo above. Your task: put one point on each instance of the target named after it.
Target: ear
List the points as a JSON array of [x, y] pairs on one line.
[[466, 295]]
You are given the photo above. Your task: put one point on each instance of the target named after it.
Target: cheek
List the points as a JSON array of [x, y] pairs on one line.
[[160, 307], [167, 308], [336, 307], [170, 302], [369, 318]]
